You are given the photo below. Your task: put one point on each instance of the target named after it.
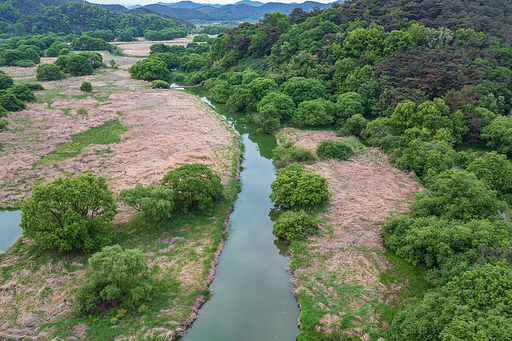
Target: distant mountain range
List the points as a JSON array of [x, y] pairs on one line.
[[242, 10]]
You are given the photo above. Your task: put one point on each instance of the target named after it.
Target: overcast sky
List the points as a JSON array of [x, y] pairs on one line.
[[223, 2]]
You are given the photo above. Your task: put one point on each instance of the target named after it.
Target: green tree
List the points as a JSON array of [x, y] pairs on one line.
[[22, 92], [150, 70], [260, 87], [356, 124], [294, 188], [86, 87], [31, 54], [70, 214], [349, 104], [158, 84], [5, 82], [302, 89], [495, 169], [314, 113], [11, 102], [49, 72], [295, 225], [153, 203], [499, 134], [77, 65], [194, 185], [459, 195], [116, 276]]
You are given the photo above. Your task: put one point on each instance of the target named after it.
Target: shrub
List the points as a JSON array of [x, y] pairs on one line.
[[153, 203], [52, 52], [287, 153], [356, 124], [5, 82], [294, 225], [116, 276], [194, 185], [25, 63], [158, 84], [179, 78], [150, 69], [201, 38], [314, 113], [86, 87], [82, 111], [10, 101], [64, 52], [3, 122], [329, 149], [293, 188], [49, 72], [3, 112], [22, 92], [70, 214], [78, 65]]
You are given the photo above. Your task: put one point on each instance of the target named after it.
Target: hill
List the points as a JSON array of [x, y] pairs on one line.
[[240, 11], [187, 4]]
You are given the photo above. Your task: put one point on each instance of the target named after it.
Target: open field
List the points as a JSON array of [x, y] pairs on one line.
[[337, 274], [141, 48], [154, 131]]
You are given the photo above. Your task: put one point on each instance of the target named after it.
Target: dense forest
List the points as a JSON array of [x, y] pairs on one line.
[[424, 81]]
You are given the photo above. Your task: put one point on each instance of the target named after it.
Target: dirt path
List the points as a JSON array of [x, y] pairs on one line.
[[345, 262]]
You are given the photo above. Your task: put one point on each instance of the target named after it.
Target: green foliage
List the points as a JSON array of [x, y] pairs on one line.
[[329, 149], [170, 59], [356, 124], [293, 188], [273, 108], [10, 102], [301, 89], [349, 104], [25, 63], [22, 92], [116, 276], [153, 203], [495, 169], [158, 84], [70, 214], [475, 306], [77, 65], [149, 70], [194, 185], [499, 134], [201, 38], [314, 113], [287, 153], [294, 225], [5, 82], [87, 43], [82, 112], [86, 87], [459, 195]]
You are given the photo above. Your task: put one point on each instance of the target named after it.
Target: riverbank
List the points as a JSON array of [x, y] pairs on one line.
[[338, 273], [158, 131]]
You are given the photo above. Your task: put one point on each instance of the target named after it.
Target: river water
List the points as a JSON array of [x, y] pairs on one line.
[[9, 229], [252, 291]]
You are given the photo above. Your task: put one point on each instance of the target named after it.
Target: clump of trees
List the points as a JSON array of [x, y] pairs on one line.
[[295, 225], [116, 276], [49, 72], [70, 214], [86, 87], [197, 185], [150, 70], [153, 203]]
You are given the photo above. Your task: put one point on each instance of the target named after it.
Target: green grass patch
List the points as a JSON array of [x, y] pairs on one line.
[[105, 134]]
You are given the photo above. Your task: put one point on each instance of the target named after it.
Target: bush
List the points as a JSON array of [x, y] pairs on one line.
[[329, 149], [294, 225], [314, 113], [293, 188], [52, 52], [86, 87], [201, 38], [179, 78], [3, 122], [25, 63], [153, 203], [22, 92], [49, 72], [287, 153], [64, 52], [116, 276], [150, 70], [82, 112], [70, 214], [10, 101], [356, 124], [3, 112], [194, 185], [78, 65], [158, 84], [5, 82]]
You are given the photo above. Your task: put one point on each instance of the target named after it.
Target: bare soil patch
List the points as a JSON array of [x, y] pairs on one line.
[[346, 260]]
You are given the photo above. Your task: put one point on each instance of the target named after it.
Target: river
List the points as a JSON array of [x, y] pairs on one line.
[[9, 229], [252, 291]]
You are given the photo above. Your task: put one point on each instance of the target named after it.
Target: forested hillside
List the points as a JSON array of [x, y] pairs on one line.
[[424, 81]]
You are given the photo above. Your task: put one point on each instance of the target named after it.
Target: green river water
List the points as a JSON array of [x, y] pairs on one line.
[[252, 291]]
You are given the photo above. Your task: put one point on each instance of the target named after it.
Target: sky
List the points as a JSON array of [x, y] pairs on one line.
[[222, 2]]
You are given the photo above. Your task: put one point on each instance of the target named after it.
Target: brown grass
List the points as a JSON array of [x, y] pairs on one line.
[[141, 48], [348, 256]]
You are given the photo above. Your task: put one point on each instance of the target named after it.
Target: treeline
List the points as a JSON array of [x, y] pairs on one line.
[[422, 80], [79, 17]]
